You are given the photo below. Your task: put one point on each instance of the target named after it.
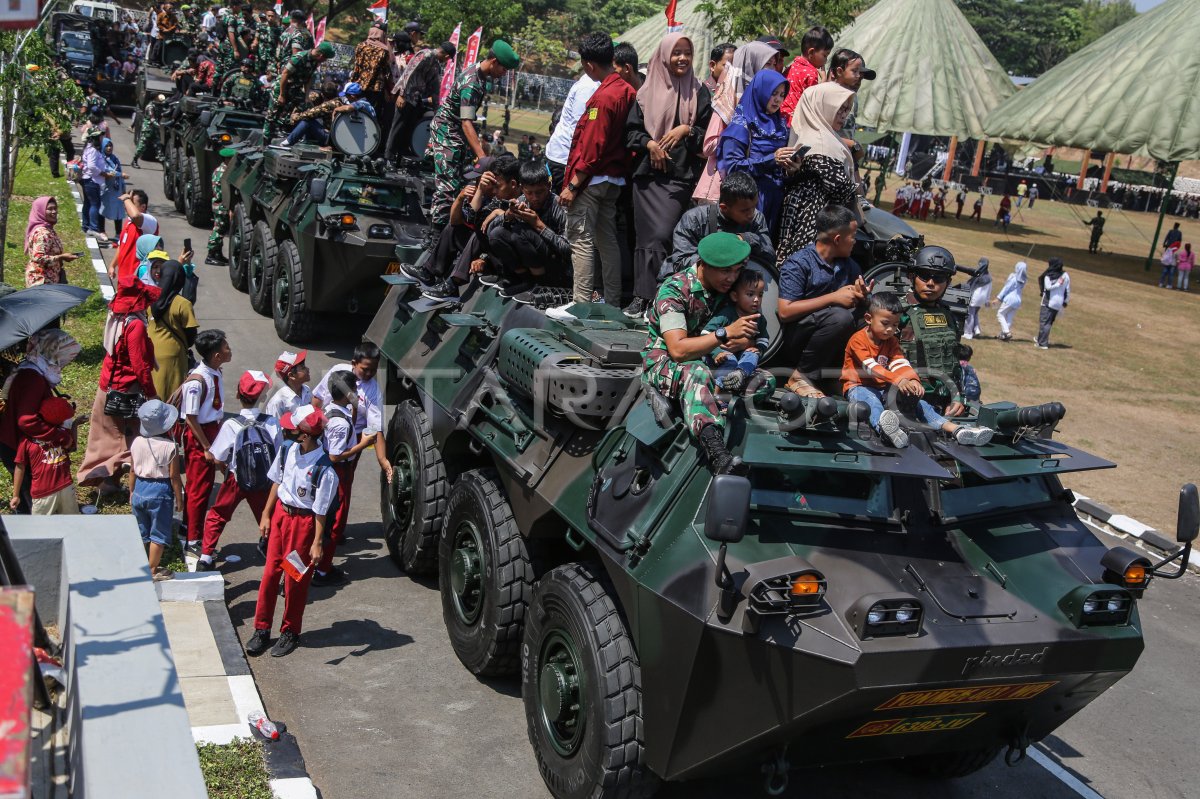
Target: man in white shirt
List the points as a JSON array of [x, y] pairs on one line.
[[209, 21], [293, 371], [558, 149], [200, 407]]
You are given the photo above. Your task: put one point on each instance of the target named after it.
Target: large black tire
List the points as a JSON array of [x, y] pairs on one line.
[[178, 169], [582, 686], [197, 205], [261, 271], [240, 234], [165, 156], [485, 576], [294, 322], [413, 504], [948, 765]]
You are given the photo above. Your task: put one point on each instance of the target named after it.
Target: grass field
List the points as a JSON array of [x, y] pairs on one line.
[[1119, 353]]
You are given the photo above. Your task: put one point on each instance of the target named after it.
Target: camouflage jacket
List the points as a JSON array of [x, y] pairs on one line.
[[468, 95], [682, 303], [293, 40]]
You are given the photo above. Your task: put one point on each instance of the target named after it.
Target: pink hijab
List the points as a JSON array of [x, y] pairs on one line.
[[663, 90], [37, 218]]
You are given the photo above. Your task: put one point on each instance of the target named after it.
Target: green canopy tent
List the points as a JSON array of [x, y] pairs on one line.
[[1134, 91], [646, 35]]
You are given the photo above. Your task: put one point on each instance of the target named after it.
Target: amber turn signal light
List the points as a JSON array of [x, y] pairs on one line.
[[806, 585]]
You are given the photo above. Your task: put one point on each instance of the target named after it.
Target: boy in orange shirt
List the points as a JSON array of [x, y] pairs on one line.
[[874, 362]]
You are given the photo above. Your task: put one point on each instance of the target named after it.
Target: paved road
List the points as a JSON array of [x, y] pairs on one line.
[[382, 708]]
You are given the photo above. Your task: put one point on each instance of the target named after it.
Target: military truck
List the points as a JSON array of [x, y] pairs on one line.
[[191, 138], [932, 606], [313, 231]]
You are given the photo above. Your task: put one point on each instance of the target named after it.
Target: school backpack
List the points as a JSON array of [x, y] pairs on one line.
[[253, 453], [318, 471]]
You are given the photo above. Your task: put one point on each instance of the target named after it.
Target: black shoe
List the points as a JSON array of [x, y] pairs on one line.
[[216, 259], [286, 643], [192, 548], [637, 309], [258, 643], [203, 565], [441, 290], [720, 459], [543, 297], [262, 547], [491, 279], [420, 273], [134, 163], [511, 288], [334, 576]]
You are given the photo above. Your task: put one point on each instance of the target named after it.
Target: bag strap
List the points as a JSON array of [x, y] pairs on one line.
[[713, 221]]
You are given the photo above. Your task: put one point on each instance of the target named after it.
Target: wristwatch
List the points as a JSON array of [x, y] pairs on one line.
[[574, 188], [721, 334]]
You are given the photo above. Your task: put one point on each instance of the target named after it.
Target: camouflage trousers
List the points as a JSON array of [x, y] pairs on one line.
[[449, 160], [278, 112], [220, 216], [147, 141], [691, 383]]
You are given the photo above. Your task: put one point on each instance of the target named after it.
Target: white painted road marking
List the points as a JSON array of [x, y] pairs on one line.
[[1063, 776]]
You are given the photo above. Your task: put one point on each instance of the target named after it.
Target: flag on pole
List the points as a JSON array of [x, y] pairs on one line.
[[672, 25], [379, 9], [448, 75], [311, 29], [473, 48], [319, 36], [279, 9]]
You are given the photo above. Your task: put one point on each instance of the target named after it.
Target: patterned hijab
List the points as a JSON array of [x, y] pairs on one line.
[[663, 91], [48, 351], [37, 219], [748, 60]]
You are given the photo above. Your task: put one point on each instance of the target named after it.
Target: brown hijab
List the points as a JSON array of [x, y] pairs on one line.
[[664, 91]]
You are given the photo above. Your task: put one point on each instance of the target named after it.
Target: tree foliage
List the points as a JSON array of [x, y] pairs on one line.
[[787, 19]]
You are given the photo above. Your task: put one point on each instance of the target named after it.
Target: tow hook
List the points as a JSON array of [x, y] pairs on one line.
[[1016, 748], [775, 773]]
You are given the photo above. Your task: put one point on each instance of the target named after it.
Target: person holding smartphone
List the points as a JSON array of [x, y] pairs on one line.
[[43, 245]]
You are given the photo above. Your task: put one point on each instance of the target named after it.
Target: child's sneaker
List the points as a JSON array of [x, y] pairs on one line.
[[889, 428], [973, 436], [733, 381]]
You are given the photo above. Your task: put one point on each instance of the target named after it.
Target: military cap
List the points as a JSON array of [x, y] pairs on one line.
[[502, 51], [723, 250], [325, 49]]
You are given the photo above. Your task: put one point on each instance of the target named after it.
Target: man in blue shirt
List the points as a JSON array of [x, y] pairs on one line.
[[820, 287]]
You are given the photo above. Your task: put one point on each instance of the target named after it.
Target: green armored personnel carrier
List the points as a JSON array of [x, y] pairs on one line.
[[191, 138], [313, 231], [846, 602]]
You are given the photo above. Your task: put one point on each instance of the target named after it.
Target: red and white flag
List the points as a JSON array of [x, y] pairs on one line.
[[311, 29], [319, 36], [279, 9], [672, 25], [448, 75], [473, 48], [379, 9]]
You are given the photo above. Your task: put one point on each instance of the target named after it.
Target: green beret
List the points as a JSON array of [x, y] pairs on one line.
[[502, 51], [226, 152], [325, 49], [722, 250]]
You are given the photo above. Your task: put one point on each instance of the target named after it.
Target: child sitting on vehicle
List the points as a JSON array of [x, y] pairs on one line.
[[734, 370], [874, 363]]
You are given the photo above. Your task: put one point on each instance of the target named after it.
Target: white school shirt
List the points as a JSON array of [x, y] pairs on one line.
[[295, 479], [285, 400], [370, 400], [202, 407], [339, 436], [558, 148], [222, 444]]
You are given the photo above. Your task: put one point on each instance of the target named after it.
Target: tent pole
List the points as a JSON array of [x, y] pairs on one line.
[[950, 159], [1162, 211], [978, 158], [1087, 158], [1108, 167]]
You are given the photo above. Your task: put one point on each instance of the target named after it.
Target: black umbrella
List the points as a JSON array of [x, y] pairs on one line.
[[24, 312]]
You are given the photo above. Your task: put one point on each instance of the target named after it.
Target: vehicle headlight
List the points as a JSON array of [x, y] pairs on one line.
[[885, 615], [1098, 605], [380, 232]]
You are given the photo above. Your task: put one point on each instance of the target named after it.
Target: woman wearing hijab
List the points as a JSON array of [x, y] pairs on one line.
[[1009, 300], [148, 245], [33, 382], [1055, 287], [748, 60], [665, 133], [980, 286], [127, 368], [372, 67], [111, 205], [43, 246], [826, 176], [91, 183], [173, 327], [756, 142]]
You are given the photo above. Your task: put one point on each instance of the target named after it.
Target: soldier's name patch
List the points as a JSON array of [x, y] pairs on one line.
[[943, 723], [962, 696], [935, 320]]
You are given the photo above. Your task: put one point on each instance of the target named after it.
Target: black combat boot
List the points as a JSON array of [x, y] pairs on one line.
[[720, 459], [216, 258]]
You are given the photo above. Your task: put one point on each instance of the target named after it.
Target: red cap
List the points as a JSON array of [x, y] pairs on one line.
[[306, 419], [56, 410], [252, 384], [289, 361]]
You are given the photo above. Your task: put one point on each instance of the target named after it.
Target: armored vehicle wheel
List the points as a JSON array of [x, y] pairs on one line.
[[168, 158], [240, 234], [948, 765], [289, 305], [413, 504], [581, 682], [261, 268], [178, 167], [196, 203], [486, 578]]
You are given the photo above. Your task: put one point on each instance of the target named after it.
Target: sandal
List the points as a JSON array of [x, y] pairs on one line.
[[799, 385]]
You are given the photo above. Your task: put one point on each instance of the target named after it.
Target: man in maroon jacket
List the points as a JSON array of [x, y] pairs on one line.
[[596, 171]]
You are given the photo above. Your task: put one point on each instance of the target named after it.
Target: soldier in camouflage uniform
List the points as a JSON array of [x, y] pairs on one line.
[[684, 304], [147, 139], [453, 140], [220, 214], [243, 90], [291, 88], [266, 40], [294, 40], [929, 331]]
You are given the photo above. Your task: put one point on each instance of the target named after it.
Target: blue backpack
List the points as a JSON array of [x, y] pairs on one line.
[[253, 452]]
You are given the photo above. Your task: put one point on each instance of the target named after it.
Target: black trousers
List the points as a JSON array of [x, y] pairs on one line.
[[62, 144], [451, 241], [399, 142], [518, 248], [557, 171], [818, 342], [658, 202]]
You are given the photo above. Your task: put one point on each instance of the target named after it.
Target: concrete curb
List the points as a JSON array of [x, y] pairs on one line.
[[1128, 529], [106, 286], [192, 587]]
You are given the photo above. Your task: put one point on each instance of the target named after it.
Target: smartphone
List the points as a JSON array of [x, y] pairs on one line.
[[187, 245], [801, 151], [80, 254]]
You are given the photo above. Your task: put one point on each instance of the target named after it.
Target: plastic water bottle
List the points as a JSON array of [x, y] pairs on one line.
[[266, 728]]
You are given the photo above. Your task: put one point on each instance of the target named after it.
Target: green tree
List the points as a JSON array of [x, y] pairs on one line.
[[1101, 16], [499, 18], [787, 19], [36, 101], [541, 45]]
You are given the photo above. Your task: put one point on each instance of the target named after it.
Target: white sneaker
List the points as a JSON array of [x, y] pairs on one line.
[[968, 336], [562, 313], [973, 436], [889, 428]]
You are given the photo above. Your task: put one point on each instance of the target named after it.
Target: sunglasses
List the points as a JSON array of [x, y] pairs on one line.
[[933, 277]]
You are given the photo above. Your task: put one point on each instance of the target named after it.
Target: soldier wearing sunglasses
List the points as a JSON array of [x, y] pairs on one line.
[[930, 332]]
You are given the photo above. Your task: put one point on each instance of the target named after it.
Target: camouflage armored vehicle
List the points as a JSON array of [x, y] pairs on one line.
[[191, 137], [312, 232], [847, 602]]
